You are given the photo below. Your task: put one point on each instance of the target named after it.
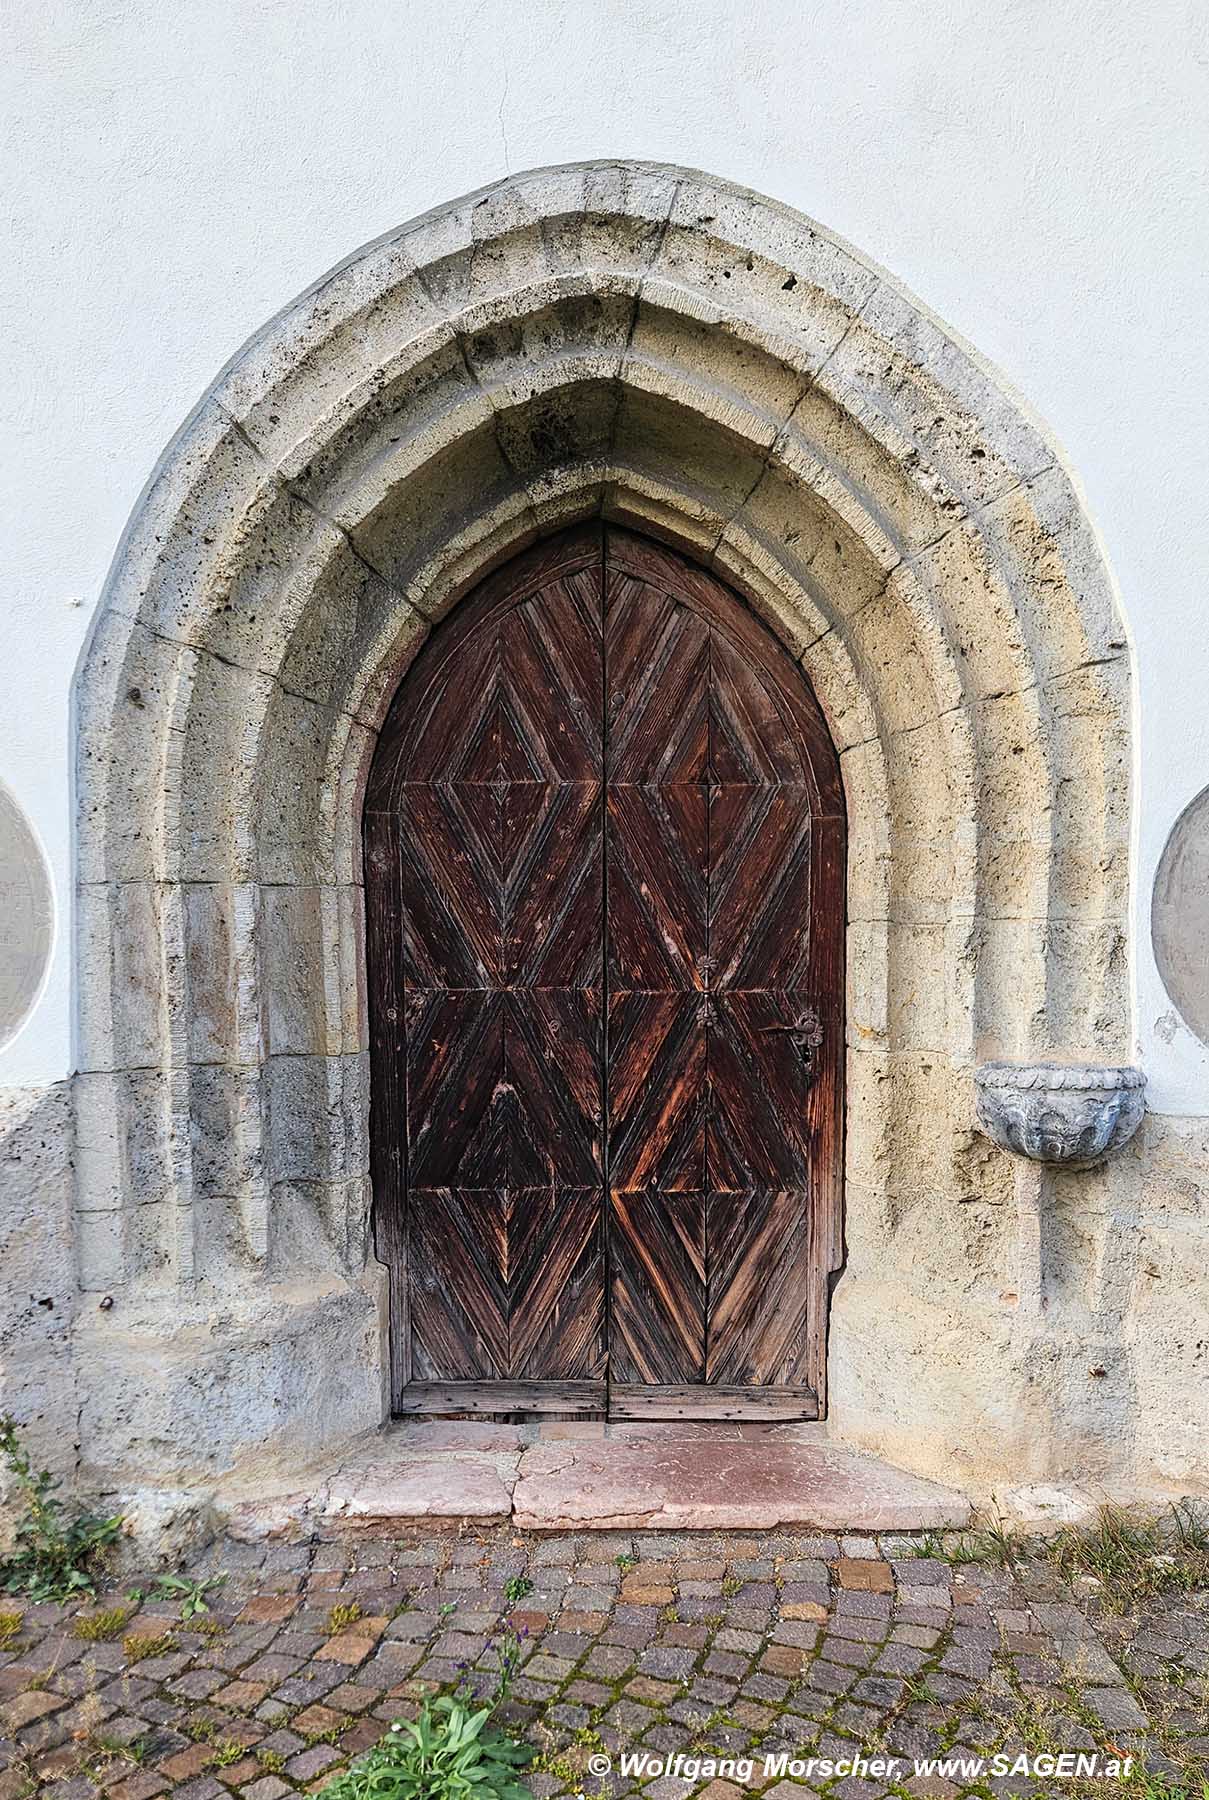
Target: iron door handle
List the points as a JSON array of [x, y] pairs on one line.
[[805, 1033]]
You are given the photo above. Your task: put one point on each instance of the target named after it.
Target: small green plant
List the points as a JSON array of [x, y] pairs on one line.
[[271, 1761], [53, 1554], [191, 1594], [341, 1617], [931, 1545], [446, 1610], [99, 1627], [138, 1646], [626, 1561], [720, 1719], [998, 1543], [10, 1627], [515, 1589], [449, 1753], [111, 1749], [552, 1762], [227, 1751], [730, 1587], [917, 1689]]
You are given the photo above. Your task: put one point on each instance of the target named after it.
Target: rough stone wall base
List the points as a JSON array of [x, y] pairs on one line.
[[1097, 1386], [243, 1387], [38, 1273], [1067, 1351]]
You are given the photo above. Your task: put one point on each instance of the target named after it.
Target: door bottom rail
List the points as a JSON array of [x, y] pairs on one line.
[[614, 1400]]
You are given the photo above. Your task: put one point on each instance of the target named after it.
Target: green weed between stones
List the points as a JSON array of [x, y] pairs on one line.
[[99, 1627], [226, 1752], [341, 1617], [54, 1554], [191, 1594], [327, 1734], [137, 1647], [1125, 1558], [1157, 1787], [449, 1752], [10, 1627], [1128, 1557], [452, 1751]]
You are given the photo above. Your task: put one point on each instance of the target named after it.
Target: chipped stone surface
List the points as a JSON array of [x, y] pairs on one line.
[[472, 1485], [672, 1481], [558, 1474]]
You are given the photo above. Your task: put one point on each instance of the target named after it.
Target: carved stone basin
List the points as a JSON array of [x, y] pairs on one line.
[[1074, 1114]]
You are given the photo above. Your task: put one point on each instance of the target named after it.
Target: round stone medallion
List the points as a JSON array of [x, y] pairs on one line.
[[1179, 915], [26, 916]]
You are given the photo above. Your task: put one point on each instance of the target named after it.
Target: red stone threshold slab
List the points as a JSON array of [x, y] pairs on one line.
[[700, 1483], [582, 1475]]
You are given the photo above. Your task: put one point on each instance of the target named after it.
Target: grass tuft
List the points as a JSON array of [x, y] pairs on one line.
[[1130, 1557], [99, 1627], [138, 1646]]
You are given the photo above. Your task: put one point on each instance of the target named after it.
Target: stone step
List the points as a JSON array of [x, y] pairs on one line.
[[691, 1483], [576, 1476]]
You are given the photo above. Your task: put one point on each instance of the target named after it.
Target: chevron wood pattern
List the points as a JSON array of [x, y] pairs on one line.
[[604, 872]]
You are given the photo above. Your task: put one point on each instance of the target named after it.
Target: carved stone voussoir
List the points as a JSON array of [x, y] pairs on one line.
[[1074, 1114]]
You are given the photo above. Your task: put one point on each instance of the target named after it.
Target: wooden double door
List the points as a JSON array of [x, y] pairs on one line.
[[604, 869]]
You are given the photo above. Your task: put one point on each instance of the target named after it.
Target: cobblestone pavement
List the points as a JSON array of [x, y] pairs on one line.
[[736, 1646]]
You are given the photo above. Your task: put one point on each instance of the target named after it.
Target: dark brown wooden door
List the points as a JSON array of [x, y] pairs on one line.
[[604, 880]]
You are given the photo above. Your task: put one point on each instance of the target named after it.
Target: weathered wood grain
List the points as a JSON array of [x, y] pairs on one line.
[[446, 1397], [713, 1402], [605, 904]]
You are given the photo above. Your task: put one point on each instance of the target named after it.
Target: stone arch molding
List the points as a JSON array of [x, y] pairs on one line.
[[647, 343]]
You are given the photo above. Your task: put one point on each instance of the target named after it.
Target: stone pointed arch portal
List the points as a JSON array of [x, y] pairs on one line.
[[644, 343]]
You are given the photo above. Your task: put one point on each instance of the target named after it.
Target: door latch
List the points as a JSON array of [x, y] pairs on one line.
[[805, 1033]]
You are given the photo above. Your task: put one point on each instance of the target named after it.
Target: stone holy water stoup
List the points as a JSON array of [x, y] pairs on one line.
[[1051, 1116]]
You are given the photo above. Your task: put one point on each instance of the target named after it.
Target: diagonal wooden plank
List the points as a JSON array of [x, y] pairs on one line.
[[553, 885], [759, 888], [657, 1285], [657, 656], [657, 867], [759, 1300], [760, 1073], [556, 1299], [657, 1091], [453, 914], [755, 738], [454, 1065], [550, 1092], [458, 1262]]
